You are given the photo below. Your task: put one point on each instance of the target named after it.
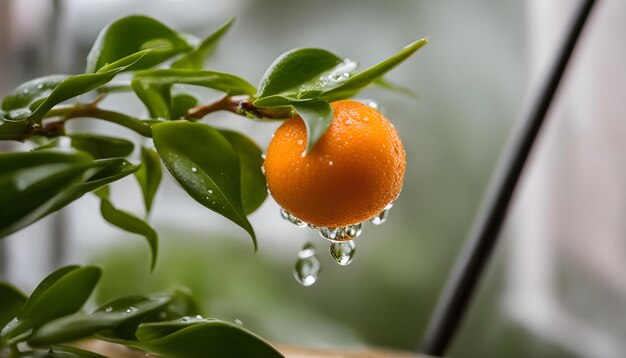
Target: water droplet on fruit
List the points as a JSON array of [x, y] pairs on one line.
[[342, 252], [330, 162], [382, 217], [353, 231], [300, 142], [307, 267], [292, 219], [329, 233]]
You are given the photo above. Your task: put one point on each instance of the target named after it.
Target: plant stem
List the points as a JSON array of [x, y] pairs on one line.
[[91, 111], [241, 105]]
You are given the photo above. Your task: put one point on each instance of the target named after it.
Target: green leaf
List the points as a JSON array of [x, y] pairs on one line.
[[131, 223], [295, 68], [181, 103], [28, 93], [355, 83], [79, 84], [13, 130], [60, 352], [35, 184], [253, 186], [206, 165], [122, 316], [11, 301], [149, 175], [317, 116], [61, 293], [97, 146], [32, 182], [131, 34], [181, 304], [153, 86], [206, 338], [194, 59], [279, 101]]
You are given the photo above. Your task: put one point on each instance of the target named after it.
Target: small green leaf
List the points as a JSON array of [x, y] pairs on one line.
[[153, 86], [181, 103], [253, 186], [355, 83], [194, 59], [61, 293], [122, 316], [11, 301], [181, 304], [60, 352], [295, 68], [207, 338], [131, 34], [79, 84], [97, 146], [317, 116], [206, 165], [107, 171], [31, 92], [131, 223], [149, 175]]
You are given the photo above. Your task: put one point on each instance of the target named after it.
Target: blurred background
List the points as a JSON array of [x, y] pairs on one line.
[[557, 284]]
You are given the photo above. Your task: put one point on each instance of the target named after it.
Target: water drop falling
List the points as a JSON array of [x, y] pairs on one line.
[[307, 267], [342, 252], [382, 217]]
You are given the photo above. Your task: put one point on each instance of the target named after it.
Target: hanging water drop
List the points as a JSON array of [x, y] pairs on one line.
[[342, 252], [353, 231], [329, 233], [307, 267], [292, 219], [382, 217]]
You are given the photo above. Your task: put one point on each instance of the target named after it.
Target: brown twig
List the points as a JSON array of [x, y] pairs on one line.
[[241, 105]]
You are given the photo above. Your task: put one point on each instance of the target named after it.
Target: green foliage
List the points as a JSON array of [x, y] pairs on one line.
[[206, 165], [220, 169], [149, 176], [158, 323]]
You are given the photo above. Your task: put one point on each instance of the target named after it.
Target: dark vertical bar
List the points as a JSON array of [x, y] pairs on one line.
[[462, 282]]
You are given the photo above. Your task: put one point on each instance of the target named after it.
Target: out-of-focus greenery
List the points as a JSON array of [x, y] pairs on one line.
[[383, 298]]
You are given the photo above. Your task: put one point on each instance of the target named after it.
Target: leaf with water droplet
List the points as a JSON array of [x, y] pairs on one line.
[[120, 318], [129, 222], [114, 43], [149, 175], [317, 116], [61, 293], [253, 185], [185, 145], [294, 68], [212, 338], [355, 83], [31, 92], [195, 58]]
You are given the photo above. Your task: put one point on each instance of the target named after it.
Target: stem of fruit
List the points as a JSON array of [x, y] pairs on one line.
[[241, 105]]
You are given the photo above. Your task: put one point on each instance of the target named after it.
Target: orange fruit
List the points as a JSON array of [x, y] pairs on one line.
[[355, 169]]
